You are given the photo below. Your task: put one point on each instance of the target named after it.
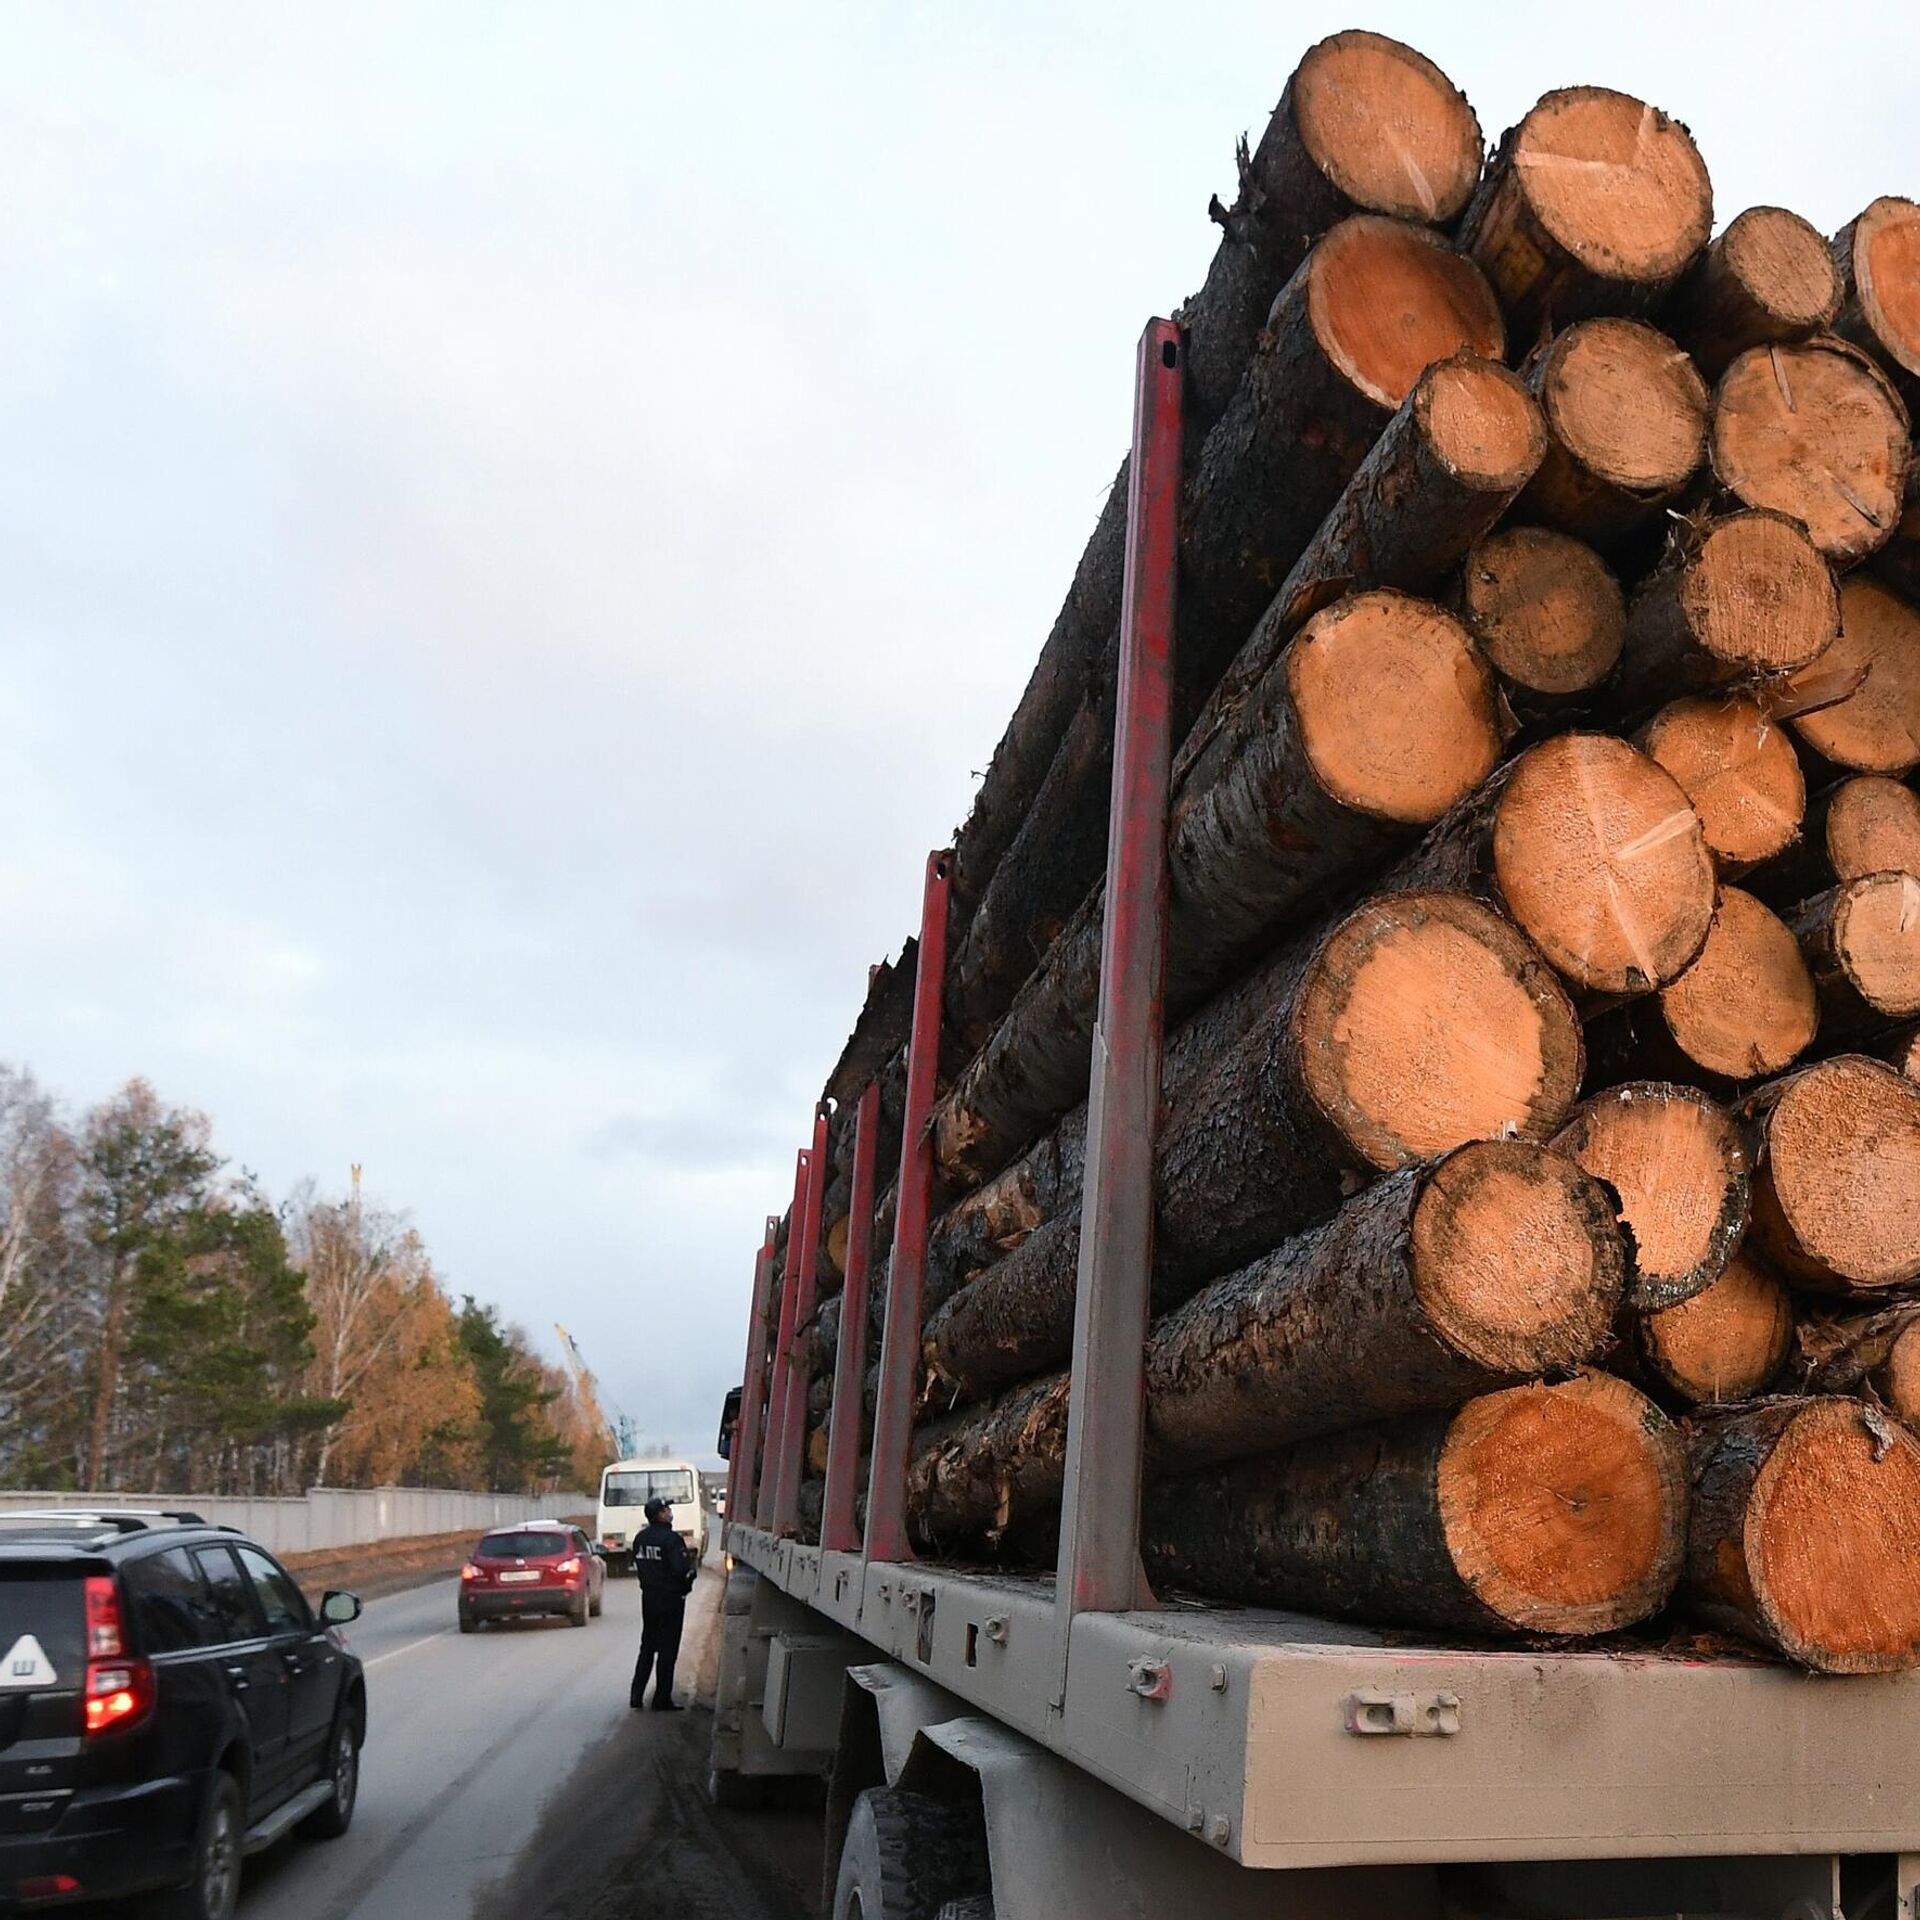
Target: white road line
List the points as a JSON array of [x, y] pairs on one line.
[[394, 1653]]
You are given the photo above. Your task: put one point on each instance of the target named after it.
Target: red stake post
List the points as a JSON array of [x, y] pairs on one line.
[[753, 1386], [1099, 1564], [806, 1269], [906, 1276], [839, 1528], [783, 1338]]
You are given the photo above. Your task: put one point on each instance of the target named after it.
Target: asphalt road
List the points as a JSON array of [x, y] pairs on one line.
[[510, 1754]]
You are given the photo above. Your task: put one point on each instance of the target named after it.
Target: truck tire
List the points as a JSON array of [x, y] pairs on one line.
[[908, 1857]]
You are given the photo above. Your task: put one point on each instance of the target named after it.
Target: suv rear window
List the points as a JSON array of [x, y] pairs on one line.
[[522, 1546], [42, 1631]]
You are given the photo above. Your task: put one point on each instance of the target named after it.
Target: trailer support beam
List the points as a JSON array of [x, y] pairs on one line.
[[1099, 1563]]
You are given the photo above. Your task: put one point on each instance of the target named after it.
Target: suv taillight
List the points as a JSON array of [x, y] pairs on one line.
[[120, 1689], [470, 1572], [106, 1635], [119, 1694], [569, 1566]]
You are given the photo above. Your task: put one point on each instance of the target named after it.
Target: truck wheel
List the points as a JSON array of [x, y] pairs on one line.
[[330, 1820], [907, 1857]]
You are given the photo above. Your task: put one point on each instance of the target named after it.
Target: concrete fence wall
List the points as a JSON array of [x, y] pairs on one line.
[[328, 1516]]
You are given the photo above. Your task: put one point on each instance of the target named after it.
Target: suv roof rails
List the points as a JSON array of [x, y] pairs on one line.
[[75, 1517]]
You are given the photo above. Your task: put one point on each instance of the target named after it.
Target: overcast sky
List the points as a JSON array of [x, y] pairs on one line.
[[522, 523]]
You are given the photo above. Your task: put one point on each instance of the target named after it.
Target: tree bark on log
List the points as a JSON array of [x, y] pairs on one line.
[[1365, 125], [1739, 770], [1770, 277], [1861, 943], [1374, 304], [1723, 1345], [1748, 597], [1421, 1022], [1876, 727], [1626, 416], [1380, 716], [1594, 852], [1878, 257], [1678, 1164], [1437, 1283], [1464, 443], [1540, 1509], [1449, 462], [1901, 1051], [1595, 203], [1549, 616], [1876, 1354], [1814, 430], [1836, 1190], [1744, 1010], [1805, 1532]]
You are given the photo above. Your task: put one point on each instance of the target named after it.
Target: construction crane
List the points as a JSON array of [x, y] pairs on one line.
[[619, 1429]]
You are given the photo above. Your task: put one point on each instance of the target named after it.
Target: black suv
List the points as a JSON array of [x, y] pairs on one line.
[[168, 1704]]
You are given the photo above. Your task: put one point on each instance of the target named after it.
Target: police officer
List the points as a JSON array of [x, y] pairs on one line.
[[666, 1573]]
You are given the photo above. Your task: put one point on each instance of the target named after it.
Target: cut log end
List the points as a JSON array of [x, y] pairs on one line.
[[1627, 404], [1545, 609], [836, 1243], [1386, 300], [1680, 1168], [1601, 859], [1875, 934], [1784, 267], [1481, 423], [1617, 184], [1747, 1007], [1516, 1259], [1875, 664], [1563, 1505], [1758, 596], [1724, 1344], [1427, 1021], [1738, 769], [1873, 826], [1770, 276], [1814, 431], [1837, 1197], [1389, 129], [1816, 1551], [1882, 259], [1376, 671]]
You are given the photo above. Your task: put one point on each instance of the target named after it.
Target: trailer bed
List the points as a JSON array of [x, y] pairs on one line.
[[1289, 1741]]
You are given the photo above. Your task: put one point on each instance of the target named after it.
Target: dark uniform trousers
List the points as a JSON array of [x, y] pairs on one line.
[[666, 1573]]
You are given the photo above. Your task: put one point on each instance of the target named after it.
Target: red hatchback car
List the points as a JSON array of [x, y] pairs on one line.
[[538, 1567]]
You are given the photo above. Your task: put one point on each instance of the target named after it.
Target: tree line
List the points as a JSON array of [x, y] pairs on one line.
[[167, 1327]]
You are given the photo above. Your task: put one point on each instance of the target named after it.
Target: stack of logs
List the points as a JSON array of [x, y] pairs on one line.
[[1538, 1173]]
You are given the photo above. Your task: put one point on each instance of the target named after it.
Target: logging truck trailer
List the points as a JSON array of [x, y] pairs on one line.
[[1066, 1746], [1247, 1763]]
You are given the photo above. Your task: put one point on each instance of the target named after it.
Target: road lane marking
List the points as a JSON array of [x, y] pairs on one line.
[[394, 1653]]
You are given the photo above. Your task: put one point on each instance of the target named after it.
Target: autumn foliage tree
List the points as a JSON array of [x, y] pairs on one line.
[[164, 1327]]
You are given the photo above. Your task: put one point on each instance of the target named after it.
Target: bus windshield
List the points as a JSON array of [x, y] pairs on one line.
[[635, 1486]]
